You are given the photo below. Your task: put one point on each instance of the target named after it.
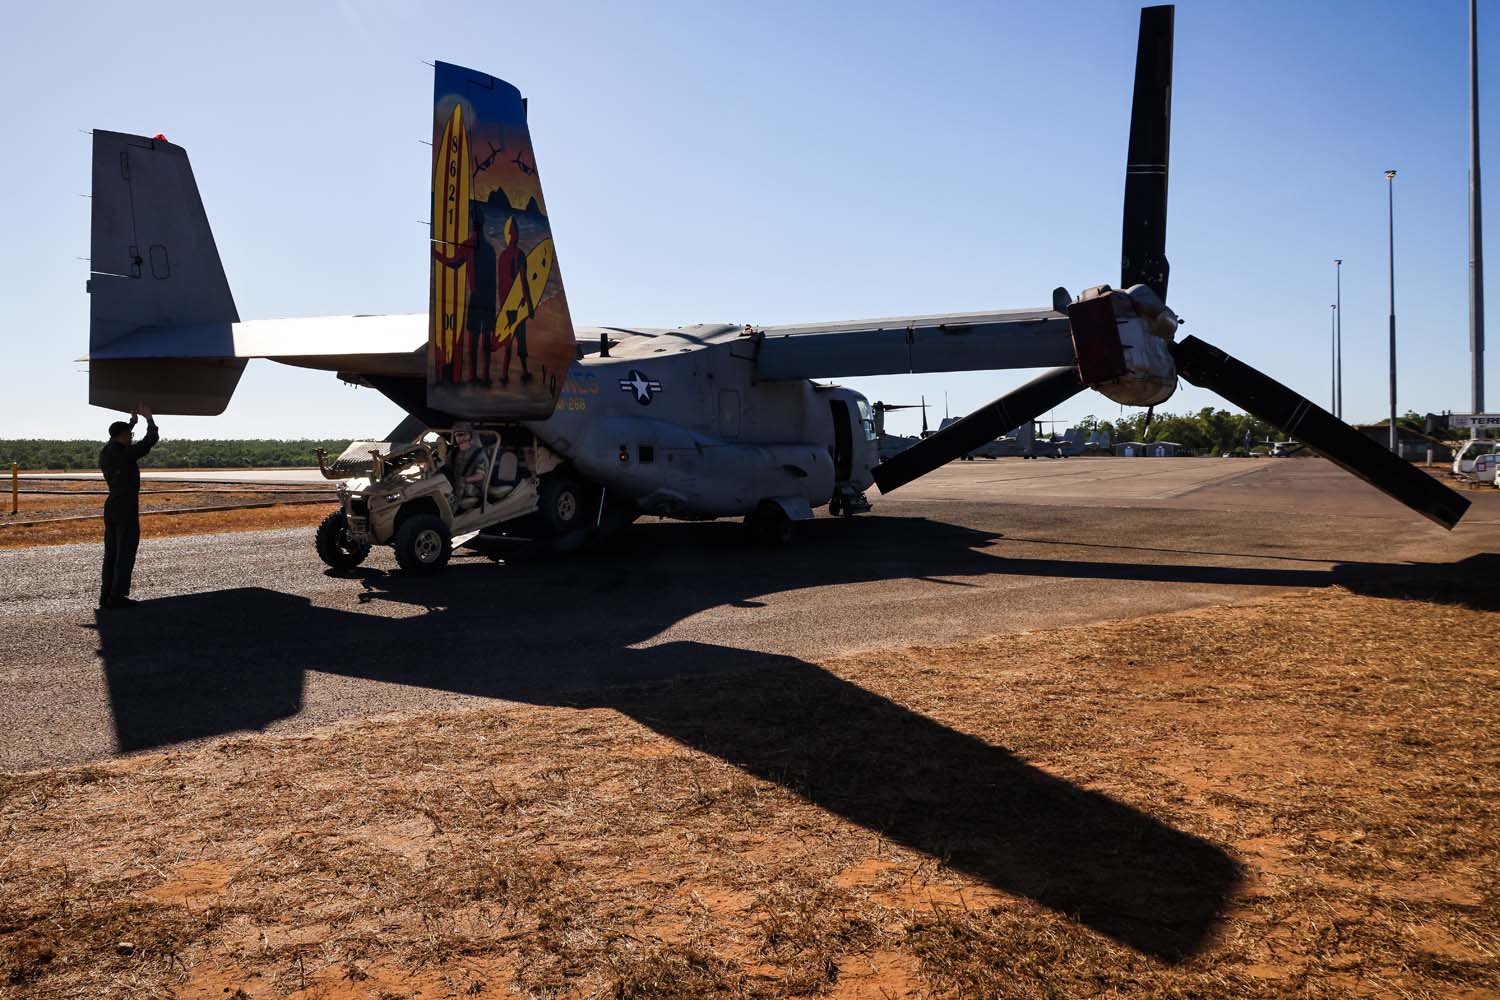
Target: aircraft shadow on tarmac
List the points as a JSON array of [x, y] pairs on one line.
[[560, 632]]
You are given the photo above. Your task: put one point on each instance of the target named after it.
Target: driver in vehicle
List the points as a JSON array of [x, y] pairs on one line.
[[468, 465]]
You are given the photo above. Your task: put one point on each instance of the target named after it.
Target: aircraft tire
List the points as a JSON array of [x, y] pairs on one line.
[[563, 506], [423, 545], [333, 544], [769, 525]]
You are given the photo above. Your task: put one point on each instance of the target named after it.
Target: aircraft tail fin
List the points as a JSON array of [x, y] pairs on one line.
[[500, 337], [156, 274]]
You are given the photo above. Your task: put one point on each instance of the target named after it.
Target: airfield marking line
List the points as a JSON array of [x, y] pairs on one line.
[[1232, 478], [1169, 551], [1073, 478], [218, 488]]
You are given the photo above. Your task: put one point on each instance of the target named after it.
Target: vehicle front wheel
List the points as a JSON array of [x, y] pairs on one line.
[[334, 545], [423, 544]]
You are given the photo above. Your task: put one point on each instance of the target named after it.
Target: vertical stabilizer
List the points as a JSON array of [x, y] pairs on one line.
[[500, 338], [155, 268]]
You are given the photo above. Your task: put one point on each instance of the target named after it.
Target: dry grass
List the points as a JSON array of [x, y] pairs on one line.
[[85, 498], [168, 525], [1296, 798]]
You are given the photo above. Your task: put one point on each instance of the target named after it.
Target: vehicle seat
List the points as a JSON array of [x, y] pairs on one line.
[[505, 477]]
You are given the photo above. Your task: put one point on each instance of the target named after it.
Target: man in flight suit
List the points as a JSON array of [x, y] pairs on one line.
[[122, 509]]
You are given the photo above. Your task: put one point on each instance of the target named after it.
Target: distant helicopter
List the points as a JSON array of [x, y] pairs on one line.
[[890, 444]]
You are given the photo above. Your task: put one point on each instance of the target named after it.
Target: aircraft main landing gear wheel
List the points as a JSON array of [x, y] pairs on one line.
[[561, 505], [334, 545], [423, 545], [769, 525]]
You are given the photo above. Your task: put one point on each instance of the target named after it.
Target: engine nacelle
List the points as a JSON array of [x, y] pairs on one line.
[[1121, 342]]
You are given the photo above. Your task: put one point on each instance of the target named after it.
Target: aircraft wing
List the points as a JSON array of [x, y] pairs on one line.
[[953, 342]]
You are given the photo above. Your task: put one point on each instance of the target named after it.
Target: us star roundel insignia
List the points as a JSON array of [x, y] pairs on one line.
[[643, 388]]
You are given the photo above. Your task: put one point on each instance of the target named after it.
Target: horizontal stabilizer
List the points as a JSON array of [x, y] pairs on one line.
[[362, 345]]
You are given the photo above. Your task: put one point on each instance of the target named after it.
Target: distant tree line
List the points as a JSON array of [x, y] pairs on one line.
[[174, 453], [1208, 430], [1217, 431]]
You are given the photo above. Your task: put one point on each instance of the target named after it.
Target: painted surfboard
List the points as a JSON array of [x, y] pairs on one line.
[[451, 179], [514, 311]]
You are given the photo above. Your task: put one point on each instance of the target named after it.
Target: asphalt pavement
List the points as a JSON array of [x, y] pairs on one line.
[[247, 632]]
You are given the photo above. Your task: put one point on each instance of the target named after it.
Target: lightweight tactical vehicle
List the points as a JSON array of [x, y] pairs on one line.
[[405, 496]]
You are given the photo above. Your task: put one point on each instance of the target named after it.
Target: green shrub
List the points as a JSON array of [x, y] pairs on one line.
[[63, 456]]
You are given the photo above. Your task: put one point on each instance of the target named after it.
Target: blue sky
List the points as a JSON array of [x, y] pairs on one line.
[[770, 163]]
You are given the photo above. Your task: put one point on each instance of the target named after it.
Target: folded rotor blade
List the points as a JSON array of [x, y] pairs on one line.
[[1143, 244], [1260, 395], [983, 425]]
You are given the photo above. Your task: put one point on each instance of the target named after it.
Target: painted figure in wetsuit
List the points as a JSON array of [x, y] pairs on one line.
[[510, 267], [122, 510], [477, 343]]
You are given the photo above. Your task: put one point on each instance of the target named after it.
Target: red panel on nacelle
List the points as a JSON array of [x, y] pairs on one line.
[[1096, 340]]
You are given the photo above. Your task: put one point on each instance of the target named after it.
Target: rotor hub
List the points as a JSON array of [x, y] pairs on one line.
[[1122, 342]]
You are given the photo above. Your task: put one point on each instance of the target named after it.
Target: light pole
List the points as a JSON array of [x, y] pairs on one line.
[[1333, 359], [1476, 241], [1390, 201], [1338, 337]]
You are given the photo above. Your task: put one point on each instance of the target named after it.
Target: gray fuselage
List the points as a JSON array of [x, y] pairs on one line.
[[676, 421]]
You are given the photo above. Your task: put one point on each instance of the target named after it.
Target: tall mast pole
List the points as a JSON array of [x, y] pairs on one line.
[[1338, 337], [1333, 359], [1390, 200], [1476, 242]]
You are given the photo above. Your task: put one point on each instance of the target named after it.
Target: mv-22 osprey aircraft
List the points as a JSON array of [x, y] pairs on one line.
[[605, 424]]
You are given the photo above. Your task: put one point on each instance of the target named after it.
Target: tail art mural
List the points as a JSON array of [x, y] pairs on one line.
[[499, 335]]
